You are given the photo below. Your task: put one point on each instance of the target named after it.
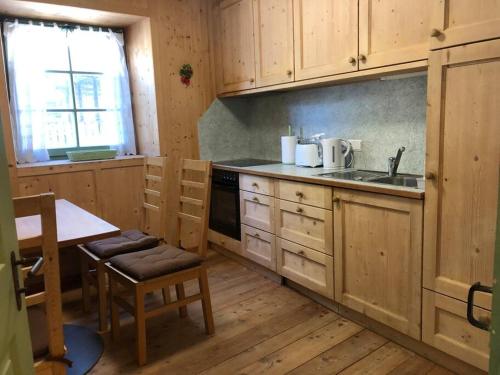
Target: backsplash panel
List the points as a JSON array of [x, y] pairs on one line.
[[383, 114]]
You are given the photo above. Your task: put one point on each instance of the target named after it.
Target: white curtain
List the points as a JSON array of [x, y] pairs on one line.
[[31, 50]]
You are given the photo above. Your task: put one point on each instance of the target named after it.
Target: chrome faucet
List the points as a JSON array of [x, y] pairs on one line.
[[393, 162]]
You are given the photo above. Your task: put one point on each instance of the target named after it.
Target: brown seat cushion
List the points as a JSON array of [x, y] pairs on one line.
[[37, 319], [128, 241], [159, 261]]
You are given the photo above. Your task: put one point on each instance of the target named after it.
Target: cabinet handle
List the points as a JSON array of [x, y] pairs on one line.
[[301, 252], [430, 176], [255, 199], [252, 80], [435, 33], [299, 210], [352, 60], [257, 235], [255, 185], [299, 194], [362, 58], [289, 72], [336, 200]]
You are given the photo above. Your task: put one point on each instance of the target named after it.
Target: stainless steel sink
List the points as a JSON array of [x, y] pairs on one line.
[[374, 177], [408, 181]]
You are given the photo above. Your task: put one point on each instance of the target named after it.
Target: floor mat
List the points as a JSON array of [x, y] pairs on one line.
[[84, 346]]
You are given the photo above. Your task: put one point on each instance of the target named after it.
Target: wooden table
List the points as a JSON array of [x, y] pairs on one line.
[[74, 226]]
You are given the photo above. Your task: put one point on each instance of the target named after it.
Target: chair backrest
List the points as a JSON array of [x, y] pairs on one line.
[[44, 205], [195, 178], [155, 187]]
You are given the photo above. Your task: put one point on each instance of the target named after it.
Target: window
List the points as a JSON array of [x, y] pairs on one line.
[[69, 90]]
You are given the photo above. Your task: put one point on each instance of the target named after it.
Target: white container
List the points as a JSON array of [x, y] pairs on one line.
[[288, 144], [333, 157]]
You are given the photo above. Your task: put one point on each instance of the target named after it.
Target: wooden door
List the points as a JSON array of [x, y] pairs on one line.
[[15, 345], [235, 65], [378, 257], [394, 31], [462, 21], [257, 210], [462, 169], [273, 27], [258, 246], [326, 37]]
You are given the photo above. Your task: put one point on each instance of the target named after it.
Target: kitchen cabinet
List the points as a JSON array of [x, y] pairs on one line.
[[309, 268], [273, 27], [258, 246], [257, 210], [462, 21], [235, 50], [394, 31], [312, 195], [257, 184], [378, 257], [462, 169], [305, 225], [445, 326], [326, 37]]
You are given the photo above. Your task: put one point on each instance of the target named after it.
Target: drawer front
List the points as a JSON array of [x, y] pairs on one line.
[[258, 246], [306, 225], [257, 210], [224, 241], [445, 327], [257, 184], [312, 195], [307, 267]]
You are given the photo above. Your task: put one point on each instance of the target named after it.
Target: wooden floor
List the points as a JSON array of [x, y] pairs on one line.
[[261, 327]]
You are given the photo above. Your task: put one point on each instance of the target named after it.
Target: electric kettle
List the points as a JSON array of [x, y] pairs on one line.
[[333, 155]]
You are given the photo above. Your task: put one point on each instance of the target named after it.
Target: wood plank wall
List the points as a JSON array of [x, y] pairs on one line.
[[171, 33]]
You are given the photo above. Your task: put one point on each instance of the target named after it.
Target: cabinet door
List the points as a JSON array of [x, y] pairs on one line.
[[394, 31], [236, 65], [445, 326], [258, 246], [312, 195], [378, 257], [462, 166], [326, 37], [273, 25], [257, 210], [463, 21]]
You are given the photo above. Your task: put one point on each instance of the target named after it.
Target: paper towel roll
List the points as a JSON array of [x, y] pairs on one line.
[[288, 144]]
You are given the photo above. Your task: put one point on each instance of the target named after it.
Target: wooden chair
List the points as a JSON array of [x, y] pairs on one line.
[[149, 270], [48, 334], [152, 223]]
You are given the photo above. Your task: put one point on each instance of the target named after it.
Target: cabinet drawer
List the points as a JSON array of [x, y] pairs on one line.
[[307, 267], [306, 225], [257, 210], [446, 328], [257, 184], [258, 246], [313, 195]]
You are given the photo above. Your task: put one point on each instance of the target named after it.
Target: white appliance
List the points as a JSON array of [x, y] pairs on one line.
[[308, 155], [333, 154]]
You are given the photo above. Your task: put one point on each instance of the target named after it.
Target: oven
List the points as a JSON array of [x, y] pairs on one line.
[[225, 203]]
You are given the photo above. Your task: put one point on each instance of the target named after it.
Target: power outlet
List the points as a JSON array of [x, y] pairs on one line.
[[356, 144]]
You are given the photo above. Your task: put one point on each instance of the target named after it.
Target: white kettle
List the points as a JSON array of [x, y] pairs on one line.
[[333, 157]]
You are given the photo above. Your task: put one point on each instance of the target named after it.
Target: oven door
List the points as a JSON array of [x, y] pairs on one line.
[[225, 210]]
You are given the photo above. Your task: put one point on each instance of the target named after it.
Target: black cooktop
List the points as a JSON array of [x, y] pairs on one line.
[[245, 162]]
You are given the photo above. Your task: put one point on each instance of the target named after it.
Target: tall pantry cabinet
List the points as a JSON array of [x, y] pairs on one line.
[[460, 214]]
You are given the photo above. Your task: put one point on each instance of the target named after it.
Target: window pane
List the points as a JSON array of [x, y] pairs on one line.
[[99, 128], [88, 92], [59, 130], [58, 91]]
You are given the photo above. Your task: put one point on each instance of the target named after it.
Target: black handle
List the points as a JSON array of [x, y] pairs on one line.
[[477, 287], [14, 263]]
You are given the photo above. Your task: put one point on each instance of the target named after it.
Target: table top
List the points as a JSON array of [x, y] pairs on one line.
[[74, 226]]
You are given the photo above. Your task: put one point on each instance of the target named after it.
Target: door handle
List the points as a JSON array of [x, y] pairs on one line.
[[477, 287], [37, 263]]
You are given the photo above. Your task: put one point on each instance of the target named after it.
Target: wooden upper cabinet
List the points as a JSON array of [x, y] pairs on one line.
[[465, 21], [236, 65], [378, 257], [326, 37], [273, 26], [462, 162], [394, 31]]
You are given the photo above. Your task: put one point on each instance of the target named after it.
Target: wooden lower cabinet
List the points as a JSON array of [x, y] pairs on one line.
[[257, 184], [378, 257], [310, 194], [257, 210], [307, 267], [258, 246], [445, 327], [305, 225]]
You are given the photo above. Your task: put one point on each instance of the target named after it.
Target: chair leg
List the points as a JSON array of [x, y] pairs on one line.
[[179, 290], [140, 324], [84, 270], [166, 295], [102, 295], [205, 301], [115, 316]]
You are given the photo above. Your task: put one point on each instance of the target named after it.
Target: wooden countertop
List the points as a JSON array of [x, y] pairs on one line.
[[303, 174]]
